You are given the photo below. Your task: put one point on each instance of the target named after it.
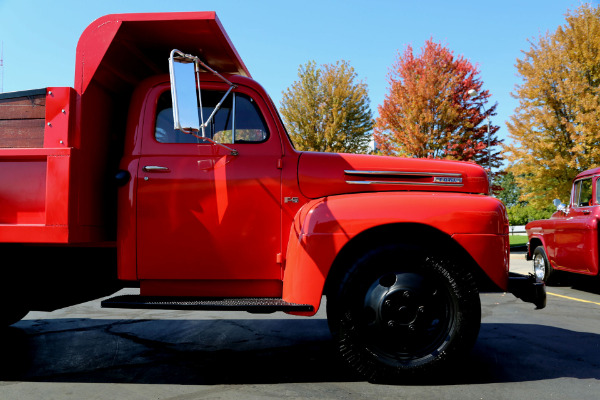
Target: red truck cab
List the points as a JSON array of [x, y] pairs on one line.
[[568, 241], [235, 218]]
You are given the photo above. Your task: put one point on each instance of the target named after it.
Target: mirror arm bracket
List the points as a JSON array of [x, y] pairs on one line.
[[217, 108], [197, 61], [233, 152]]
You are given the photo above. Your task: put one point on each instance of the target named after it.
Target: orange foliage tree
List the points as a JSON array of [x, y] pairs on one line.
[[555, 130], [428, 111]]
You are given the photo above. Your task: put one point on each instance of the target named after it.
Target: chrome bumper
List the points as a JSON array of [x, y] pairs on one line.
[[528, 289]]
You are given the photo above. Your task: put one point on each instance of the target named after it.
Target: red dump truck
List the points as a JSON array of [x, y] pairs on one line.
[[208, 206]]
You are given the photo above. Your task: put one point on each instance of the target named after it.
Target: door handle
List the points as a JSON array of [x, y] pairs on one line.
[[155, 168], [586, 212]]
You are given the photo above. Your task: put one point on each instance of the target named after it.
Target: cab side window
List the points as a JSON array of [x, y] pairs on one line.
[[582, 195], [238, 120]]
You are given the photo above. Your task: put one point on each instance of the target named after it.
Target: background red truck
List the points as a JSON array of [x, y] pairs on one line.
[[95, 184], [568, 241]]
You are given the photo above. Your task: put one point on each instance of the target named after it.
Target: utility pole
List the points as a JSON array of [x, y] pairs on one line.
[[2, 68]]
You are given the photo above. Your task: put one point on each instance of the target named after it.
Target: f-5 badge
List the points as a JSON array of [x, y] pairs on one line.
[[290, 200]]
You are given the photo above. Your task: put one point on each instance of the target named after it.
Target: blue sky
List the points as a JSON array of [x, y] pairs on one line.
[[275, 37]]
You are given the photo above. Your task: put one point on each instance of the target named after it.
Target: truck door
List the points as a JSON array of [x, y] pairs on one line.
[[208, 222], [576, 236]]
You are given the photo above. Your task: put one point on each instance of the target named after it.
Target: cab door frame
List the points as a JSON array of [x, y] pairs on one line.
[[208, 222]]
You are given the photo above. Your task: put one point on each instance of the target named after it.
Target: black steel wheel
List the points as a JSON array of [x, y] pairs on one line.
[[11, 316], [13, 308], [399, 313]]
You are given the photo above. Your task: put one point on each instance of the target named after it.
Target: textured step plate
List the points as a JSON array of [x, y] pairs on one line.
[[255, 305]]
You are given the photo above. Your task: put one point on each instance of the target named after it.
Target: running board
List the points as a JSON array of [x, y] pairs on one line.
[[252, 305]]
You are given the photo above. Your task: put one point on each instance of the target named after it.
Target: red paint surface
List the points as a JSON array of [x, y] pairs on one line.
[[570, 238], [325, 226]]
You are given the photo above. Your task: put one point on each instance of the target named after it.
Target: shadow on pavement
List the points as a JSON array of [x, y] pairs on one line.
[[258, 351], [584, 283]]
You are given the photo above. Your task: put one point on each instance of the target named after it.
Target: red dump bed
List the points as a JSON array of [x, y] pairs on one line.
[[34, 164]]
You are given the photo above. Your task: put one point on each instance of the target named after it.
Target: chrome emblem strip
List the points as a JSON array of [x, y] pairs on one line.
[[392, 173], [401, 183], [439, 178]]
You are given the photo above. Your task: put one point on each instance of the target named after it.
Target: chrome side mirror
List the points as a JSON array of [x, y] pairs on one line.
[[183, 92], [559, 206], [184, 70]]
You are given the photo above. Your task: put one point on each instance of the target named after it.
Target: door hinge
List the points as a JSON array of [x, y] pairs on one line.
[[279, 163], [279, 258]]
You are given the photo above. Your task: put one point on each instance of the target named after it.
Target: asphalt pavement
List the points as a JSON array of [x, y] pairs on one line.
[[86, 352]]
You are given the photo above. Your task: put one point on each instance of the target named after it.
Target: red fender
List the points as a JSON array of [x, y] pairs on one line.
[[323, 227]]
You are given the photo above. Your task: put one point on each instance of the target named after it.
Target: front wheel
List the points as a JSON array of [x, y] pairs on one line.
[[399, 313], [541, 267]]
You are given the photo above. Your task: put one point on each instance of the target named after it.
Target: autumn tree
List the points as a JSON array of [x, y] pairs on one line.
[[327, 109], [428, 111], [556, 127]]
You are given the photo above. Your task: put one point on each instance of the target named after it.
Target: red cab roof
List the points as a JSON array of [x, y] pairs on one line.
[[589, 172]]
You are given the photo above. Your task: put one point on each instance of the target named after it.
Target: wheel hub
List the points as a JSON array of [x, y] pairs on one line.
[[405, 314], [401, 308], [539, 267]]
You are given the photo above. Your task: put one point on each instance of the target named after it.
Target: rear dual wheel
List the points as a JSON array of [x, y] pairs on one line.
[[13, 307], [399, 313], [9, 316]]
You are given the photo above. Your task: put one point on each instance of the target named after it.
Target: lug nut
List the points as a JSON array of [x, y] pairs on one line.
[[391, 323], [412, 327]]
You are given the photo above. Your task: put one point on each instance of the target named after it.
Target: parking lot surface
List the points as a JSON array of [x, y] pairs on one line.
[[85, 352]]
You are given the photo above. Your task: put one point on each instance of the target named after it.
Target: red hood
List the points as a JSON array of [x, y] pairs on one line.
[[324, 174]]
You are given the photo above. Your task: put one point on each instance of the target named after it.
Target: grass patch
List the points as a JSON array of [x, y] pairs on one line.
[[517, 240]]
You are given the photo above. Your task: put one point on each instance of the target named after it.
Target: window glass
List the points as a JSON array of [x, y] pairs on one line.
[[163, 131], [249, 125], [583, 193]]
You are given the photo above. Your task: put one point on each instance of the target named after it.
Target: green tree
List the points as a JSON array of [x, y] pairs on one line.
[[521, 214], [428, 111], [327, 109], [555, 130], [509, 192]]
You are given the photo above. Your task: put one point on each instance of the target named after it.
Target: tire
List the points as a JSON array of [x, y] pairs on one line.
[[11, 316], [541, 267], [12, 305], [400, 314]]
